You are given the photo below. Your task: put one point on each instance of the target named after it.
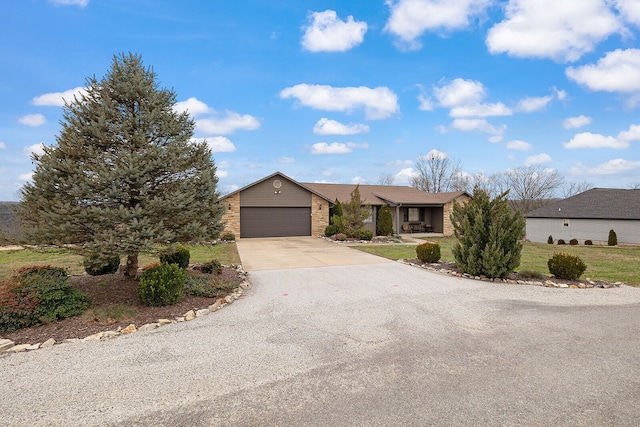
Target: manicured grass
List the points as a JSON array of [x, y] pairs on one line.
[[612, 264], [226, 253]]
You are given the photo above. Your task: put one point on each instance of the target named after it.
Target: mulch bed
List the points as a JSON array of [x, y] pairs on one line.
[[111, 290]]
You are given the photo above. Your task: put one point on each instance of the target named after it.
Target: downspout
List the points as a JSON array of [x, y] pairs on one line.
[[398, 219]]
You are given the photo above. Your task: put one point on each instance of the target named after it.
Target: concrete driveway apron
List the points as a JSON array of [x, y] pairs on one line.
[[282, 253]]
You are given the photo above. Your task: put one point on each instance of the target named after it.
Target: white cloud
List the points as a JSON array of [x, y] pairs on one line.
[[358, 180], [411, 18], [609, 168], [218, 144], [561, 30], [25, 176], [531, 104], [595, 140], [426, 104], [327, 33], [57, 99], [227, 124], [34, 149], [286, 160], [434, 154], [378, 103], [2, 145], [33, 120], [404, 177], [538, 159], [518, 145], [630, 10], [398, 163], [460, 92], [225, 164], [222, 174], [464, 98], [332, 127], [335, 147], [576, 122], [81, 3], [617, 71], [481, 110], [193, 105], [478, 125]]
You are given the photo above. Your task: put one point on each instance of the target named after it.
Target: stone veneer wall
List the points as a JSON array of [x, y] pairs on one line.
[[232, 216], [319, 217], [448, 209]]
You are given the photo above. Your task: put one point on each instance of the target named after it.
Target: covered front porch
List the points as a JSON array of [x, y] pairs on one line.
[[418, 219]]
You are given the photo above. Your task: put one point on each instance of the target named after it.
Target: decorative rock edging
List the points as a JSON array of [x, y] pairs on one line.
[[7, 346], [547, 283]]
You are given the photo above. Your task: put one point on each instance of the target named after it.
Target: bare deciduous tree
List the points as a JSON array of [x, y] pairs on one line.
[[386, 179], [572, 188], [530, 187], [436, 172]]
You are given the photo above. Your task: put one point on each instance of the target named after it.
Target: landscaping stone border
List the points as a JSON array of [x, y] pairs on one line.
[[587, 283], [7, 346]]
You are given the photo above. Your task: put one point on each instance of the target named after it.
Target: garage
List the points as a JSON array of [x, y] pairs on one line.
[[275, 221]]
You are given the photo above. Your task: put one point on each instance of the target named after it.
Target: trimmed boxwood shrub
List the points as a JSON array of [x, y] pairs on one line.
[[96, 265], [211, 267], [573, 242], [37, 296], [176, 255], [550, 240], [365, 234], [428, 252], [613, 238], [561, 242], [566, 266], [588, 242], [330, 230], [162, 285]]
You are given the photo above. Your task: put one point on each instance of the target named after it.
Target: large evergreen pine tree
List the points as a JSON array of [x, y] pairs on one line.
[[488, 234], [124, 174]]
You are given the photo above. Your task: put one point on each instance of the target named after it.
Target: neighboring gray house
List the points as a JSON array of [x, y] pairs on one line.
[[588, 216]]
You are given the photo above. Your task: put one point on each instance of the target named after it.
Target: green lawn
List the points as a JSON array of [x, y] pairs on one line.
[[226, 253], [603, 262]]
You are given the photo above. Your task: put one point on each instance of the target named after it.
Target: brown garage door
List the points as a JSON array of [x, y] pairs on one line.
[[275, 222]]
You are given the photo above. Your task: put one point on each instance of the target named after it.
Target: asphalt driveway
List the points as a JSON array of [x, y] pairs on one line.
[[380, 344], [278, 253]]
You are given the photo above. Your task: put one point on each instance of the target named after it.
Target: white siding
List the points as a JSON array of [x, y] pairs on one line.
[[539, 229]]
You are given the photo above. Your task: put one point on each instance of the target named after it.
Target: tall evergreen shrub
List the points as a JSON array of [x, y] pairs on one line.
[[384, 223], [488, 234]]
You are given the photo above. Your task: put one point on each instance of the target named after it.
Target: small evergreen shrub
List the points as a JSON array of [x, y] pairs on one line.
[[228, 237], [613, 238], [162, 285], [384, 222], [561, 242], [566, 266], [95, 265], [588, 242], [176, 255], [211, 267], [341, 237], [365, 234], [37, 296], [573, 242], [428, 252], [533, 274], [550, 240], [330, 230]]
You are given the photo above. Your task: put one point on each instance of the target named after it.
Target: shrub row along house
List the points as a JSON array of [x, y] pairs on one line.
[[279, 206], [588, 216]]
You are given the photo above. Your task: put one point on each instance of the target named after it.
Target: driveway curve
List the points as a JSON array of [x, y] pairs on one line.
[[378, 344], [281, 253]]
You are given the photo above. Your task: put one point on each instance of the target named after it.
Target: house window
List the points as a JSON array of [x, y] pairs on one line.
[[369, 219], [414, 214], [566, 222]]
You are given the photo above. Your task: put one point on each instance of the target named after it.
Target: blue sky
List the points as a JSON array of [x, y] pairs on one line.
[[345, 91]]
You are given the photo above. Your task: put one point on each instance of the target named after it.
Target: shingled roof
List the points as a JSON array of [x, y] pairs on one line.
[[383, 194], [597, 203]]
